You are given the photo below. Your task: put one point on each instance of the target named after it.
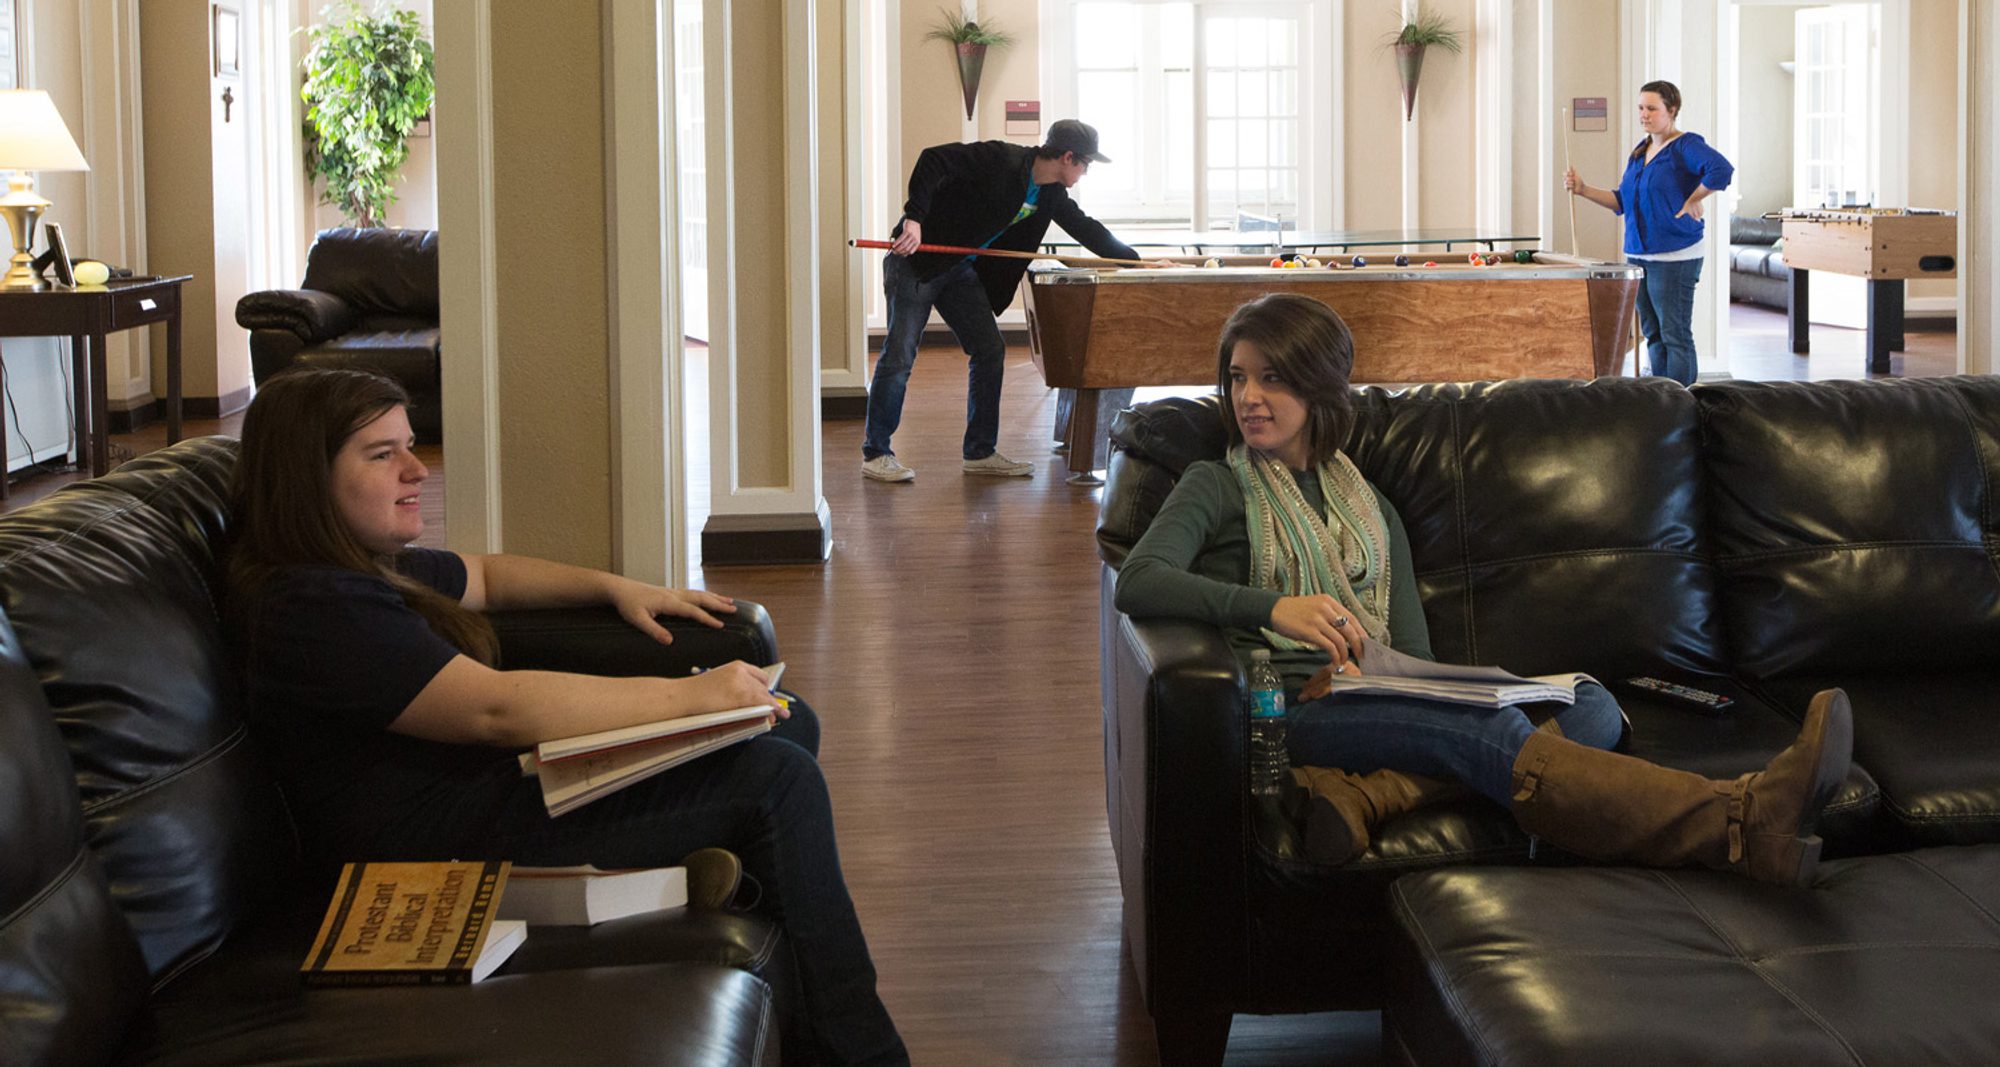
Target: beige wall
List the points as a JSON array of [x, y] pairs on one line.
[[554, 377], [1586, 64], [932, 111], [1933, 120], [1764, 109]]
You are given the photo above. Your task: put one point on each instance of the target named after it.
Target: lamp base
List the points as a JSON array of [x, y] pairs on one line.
[[22, 209]]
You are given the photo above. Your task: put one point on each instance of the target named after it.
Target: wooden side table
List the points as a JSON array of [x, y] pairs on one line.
[[86, 315]]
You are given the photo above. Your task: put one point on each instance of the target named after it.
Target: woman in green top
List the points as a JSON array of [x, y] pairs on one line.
[[1289, 548]]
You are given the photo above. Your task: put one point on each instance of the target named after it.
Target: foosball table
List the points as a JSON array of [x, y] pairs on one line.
[[1885, 246]]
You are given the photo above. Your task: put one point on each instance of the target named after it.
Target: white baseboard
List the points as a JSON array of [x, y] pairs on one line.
[[1930, 307]]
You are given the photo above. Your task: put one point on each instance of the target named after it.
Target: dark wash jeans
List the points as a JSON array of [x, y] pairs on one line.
[[1666, 316], [763, 799], [1476, 746], [961, 301]]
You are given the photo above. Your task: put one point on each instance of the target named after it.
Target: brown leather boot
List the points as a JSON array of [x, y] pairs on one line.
[[1344, 809], [1608, 806]]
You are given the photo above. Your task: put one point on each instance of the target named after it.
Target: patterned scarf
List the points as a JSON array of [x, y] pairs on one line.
[[1301, 553]]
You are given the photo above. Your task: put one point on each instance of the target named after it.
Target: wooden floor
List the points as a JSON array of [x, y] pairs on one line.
[[950, 645]]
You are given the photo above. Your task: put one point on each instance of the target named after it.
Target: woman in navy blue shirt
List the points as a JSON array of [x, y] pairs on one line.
[[371, 674], [1666, 178]]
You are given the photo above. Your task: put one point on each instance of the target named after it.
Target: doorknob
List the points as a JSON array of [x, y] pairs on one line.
[[228, 99]]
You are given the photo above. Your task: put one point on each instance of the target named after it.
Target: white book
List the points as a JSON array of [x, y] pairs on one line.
[[586, 896], [502, 938], [1385, 671], [566, 748]]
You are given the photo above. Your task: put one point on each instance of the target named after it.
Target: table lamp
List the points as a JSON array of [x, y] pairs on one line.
[[32, 137]]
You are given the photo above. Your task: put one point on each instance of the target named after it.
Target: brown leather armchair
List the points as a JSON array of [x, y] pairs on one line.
[[369, 302]]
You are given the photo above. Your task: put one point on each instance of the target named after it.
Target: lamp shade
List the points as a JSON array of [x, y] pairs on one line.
[[32, 134]]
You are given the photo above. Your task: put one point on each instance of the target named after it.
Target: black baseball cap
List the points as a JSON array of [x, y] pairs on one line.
[[1069, 135]]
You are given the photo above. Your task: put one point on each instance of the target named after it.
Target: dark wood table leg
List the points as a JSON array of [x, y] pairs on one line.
[[1065, 406], [1798, 308], [174, 372], [1885, 322], [79, 373], [100, 409], [1081, 436]]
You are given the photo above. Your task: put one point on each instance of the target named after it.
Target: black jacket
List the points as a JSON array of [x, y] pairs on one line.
[[963, 194]]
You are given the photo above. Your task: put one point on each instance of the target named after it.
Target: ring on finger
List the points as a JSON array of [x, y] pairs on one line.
[[1341, 621]]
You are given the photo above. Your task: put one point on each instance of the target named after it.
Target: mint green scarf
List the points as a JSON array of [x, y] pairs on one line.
[[1298, 552]]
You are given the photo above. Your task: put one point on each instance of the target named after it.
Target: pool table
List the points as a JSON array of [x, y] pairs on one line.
[[1099, 330]]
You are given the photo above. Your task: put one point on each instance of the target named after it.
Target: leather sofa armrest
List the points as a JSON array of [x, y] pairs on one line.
[[310, 313], [594, 640], [1177, 783]]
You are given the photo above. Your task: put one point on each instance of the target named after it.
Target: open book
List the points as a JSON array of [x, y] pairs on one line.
[[1387, 671], [577, 770]]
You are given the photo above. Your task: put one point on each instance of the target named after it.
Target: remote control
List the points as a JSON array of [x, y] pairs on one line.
[[1700, 698]]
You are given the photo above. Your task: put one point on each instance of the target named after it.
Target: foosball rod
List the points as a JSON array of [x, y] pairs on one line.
[[1003, 253]]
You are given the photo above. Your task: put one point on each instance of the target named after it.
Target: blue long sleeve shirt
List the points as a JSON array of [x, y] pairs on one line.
[[1651, 194]]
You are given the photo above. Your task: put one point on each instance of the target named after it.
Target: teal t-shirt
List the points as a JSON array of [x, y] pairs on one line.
[[1194, 563]]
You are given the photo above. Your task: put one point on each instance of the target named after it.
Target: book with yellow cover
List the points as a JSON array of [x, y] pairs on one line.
[[413, 924]]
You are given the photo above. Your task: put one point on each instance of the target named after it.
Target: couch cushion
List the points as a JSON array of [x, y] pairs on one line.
[[1886, 960], [382, 270], [1856, 524], [1746, 230], [109, 584], [71, 977]]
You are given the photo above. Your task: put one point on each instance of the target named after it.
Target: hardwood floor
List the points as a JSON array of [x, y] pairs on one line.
[[950, 645]]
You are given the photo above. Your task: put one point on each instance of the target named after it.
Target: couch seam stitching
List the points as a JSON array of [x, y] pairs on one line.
[[1952, 885], [49, 888]]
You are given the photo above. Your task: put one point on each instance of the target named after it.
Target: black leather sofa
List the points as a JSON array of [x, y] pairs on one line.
[[1761, 540], [369, 302], [154, 905], [1757, 271]]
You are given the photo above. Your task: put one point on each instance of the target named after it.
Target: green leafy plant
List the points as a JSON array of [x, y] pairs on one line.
[[1428, 28], [368, 79], [957, 29]]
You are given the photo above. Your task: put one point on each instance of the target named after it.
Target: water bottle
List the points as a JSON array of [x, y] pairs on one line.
[[1270, 767]]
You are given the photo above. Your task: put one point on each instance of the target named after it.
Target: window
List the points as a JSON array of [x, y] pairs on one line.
[[1833, 114], [1200, 102]]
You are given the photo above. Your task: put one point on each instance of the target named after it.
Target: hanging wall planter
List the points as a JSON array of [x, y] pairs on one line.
[[970, 40], [1420, 32]]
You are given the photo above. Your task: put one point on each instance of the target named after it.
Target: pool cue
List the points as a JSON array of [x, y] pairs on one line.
[[956, 250], [1567, 165]]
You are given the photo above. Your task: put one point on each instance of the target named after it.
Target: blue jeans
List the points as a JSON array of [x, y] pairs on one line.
[[763, 799], [961, 301], [1666, 316], [1476, 746]]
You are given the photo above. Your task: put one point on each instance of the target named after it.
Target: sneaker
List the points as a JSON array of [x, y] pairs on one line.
[[713, 875], [997, 464], [885, 468]]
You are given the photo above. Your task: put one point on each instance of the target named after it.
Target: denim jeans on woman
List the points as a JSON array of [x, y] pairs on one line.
[[763, 799], [1666, 316], [961, 301], [1476, 746]]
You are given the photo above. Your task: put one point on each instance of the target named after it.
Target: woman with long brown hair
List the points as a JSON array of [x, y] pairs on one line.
[[370, 673]]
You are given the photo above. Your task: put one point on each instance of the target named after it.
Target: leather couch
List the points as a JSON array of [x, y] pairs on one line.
[[369, 302], [155, 904], [1757, 271], [1760, 540]]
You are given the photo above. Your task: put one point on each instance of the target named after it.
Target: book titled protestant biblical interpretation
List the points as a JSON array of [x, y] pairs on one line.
[[413, 924]]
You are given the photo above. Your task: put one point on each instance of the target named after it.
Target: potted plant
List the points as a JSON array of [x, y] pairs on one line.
[[368, 79], [971, 40], [1421, 30]]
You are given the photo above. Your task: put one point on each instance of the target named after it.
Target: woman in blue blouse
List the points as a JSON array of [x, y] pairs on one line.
[[1666, 178]]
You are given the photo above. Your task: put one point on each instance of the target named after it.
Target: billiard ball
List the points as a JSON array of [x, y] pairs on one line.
[[1314, 263], [1472, 257], [1478, 262], [1360, 261], [1430, 263], [1277, 261], [1211, 262], [1402, 261], [1524, 256]]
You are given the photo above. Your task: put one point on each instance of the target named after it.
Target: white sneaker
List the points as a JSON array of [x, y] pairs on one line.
[[885, 468], [997, 464]]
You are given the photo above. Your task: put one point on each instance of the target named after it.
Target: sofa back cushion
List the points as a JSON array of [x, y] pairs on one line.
[[1856, 524], [1554, 525], [1749, 230], [70, 973], [110, 586], [379, 272]]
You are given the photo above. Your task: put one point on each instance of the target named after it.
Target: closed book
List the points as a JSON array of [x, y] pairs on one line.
[[586, 896], [413, 924]]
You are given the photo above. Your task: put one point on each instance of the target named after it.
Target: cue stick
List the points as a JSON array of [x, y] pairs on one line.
[[1567, 165], [1079, 261]]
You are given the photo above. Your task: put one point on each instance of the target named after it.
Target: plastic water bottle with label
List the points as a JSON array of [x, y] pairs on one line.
[[1270, 766]]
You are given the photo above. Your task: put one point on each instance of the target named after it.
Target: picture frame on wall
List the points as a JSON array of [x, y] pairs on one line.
[[228, 40], [59, 255]]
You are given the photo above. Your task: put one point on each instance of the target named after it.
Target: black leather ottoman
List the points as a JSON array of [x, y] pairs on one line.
[[1889, 960]]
